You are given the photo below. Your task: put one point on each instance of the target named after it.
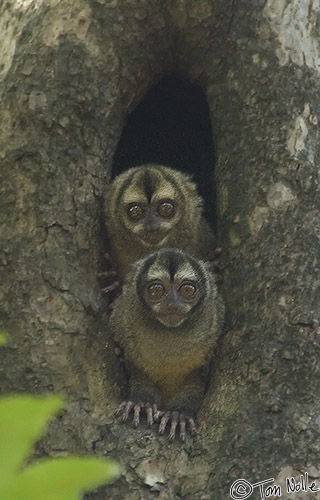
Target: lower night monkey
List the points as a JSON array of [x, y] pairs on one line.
[[167, 322]]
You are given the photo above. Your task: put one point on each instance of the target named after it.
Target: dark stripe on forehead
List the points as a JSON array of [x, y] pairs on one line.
[[173, 264], [148, 182], [173, 260], [148, 185]]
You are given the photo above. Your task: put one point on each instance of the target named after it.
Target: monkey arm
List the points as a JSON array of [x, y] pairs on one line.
[[143, 395], [180, 410], [189, 398], [111, 282], [183, 407], [141, 388]]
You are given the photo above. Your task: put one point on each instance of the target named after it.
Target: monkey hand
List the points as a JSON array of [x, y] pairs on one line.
[[214, 259], [151, 411], [111, 276], [175, 418], [169, 418]]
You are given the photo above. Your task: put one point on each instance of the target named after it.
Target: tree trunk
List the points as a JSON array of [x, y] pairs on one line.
[[72, 72]]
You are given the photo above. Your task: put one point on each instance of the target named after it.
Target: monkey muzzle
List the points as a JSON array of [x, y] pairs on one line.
[[152, 231], [172, 311]]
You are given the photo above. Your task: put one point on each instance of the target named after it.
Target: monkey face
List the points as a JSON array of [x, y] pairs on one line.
[[171, 301], [150, 221], [172, 287], [150, 205]]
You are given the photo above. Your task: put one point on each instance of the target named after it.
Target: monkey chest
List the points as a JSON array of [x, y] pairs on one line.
[[168, 365]]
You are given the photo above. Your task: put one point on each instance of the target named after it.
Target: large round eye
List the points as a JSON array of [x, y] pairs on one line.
[[187, 290], [156, 291], [166, 209], [135, 212]]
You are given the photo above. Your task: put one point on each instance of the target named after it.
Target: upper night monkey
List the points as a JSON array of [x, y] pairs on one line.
[[167, 321], [151, 207]]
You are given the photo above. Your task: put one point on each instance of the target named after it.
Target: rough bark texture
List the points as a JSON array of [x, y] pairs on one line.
[[71, 72]]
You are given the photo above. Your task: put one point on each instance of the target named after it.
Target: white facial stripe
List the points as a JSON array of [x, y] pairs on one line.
[[163, 321], [186, 272], [134, 228], [156, 307], [188, 307], [136, 197], [164, 191], [154, 274]]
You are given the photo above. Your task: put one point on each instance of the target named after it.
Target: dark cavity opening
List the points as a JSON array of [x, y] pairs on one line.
[[171, 126]]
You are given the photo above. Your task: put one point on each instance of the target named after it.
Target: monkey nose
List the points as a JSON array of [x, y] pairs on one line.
[[172, 312], [173, 302], [151, 224]]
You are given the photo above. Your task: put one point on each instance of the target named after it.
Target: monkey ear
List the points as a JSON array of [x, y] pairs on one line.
[[192, 189], [187, 177]]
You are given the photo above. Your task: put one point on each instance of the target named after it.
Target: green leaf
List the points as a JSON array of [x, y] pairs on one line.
[[3, 338], [22, 421], [62, 478]]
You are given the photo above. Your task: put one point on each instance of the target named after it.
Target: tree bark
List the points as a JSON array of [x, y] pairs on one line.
[[71, 72]]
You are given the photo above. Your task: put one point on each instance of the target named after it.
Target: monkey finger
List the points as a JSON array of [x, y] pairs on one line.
[[120, 408], [182, 421], [163, 422], [174, 422], [136, 415], [127, 410], [110, 288], [124, 410], [192, 425], [157, 413], [149, 413]]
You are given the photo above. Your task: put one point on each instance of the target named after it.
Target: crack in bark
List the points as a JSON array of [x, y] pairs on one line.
[[233, 3], [314, 325]]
